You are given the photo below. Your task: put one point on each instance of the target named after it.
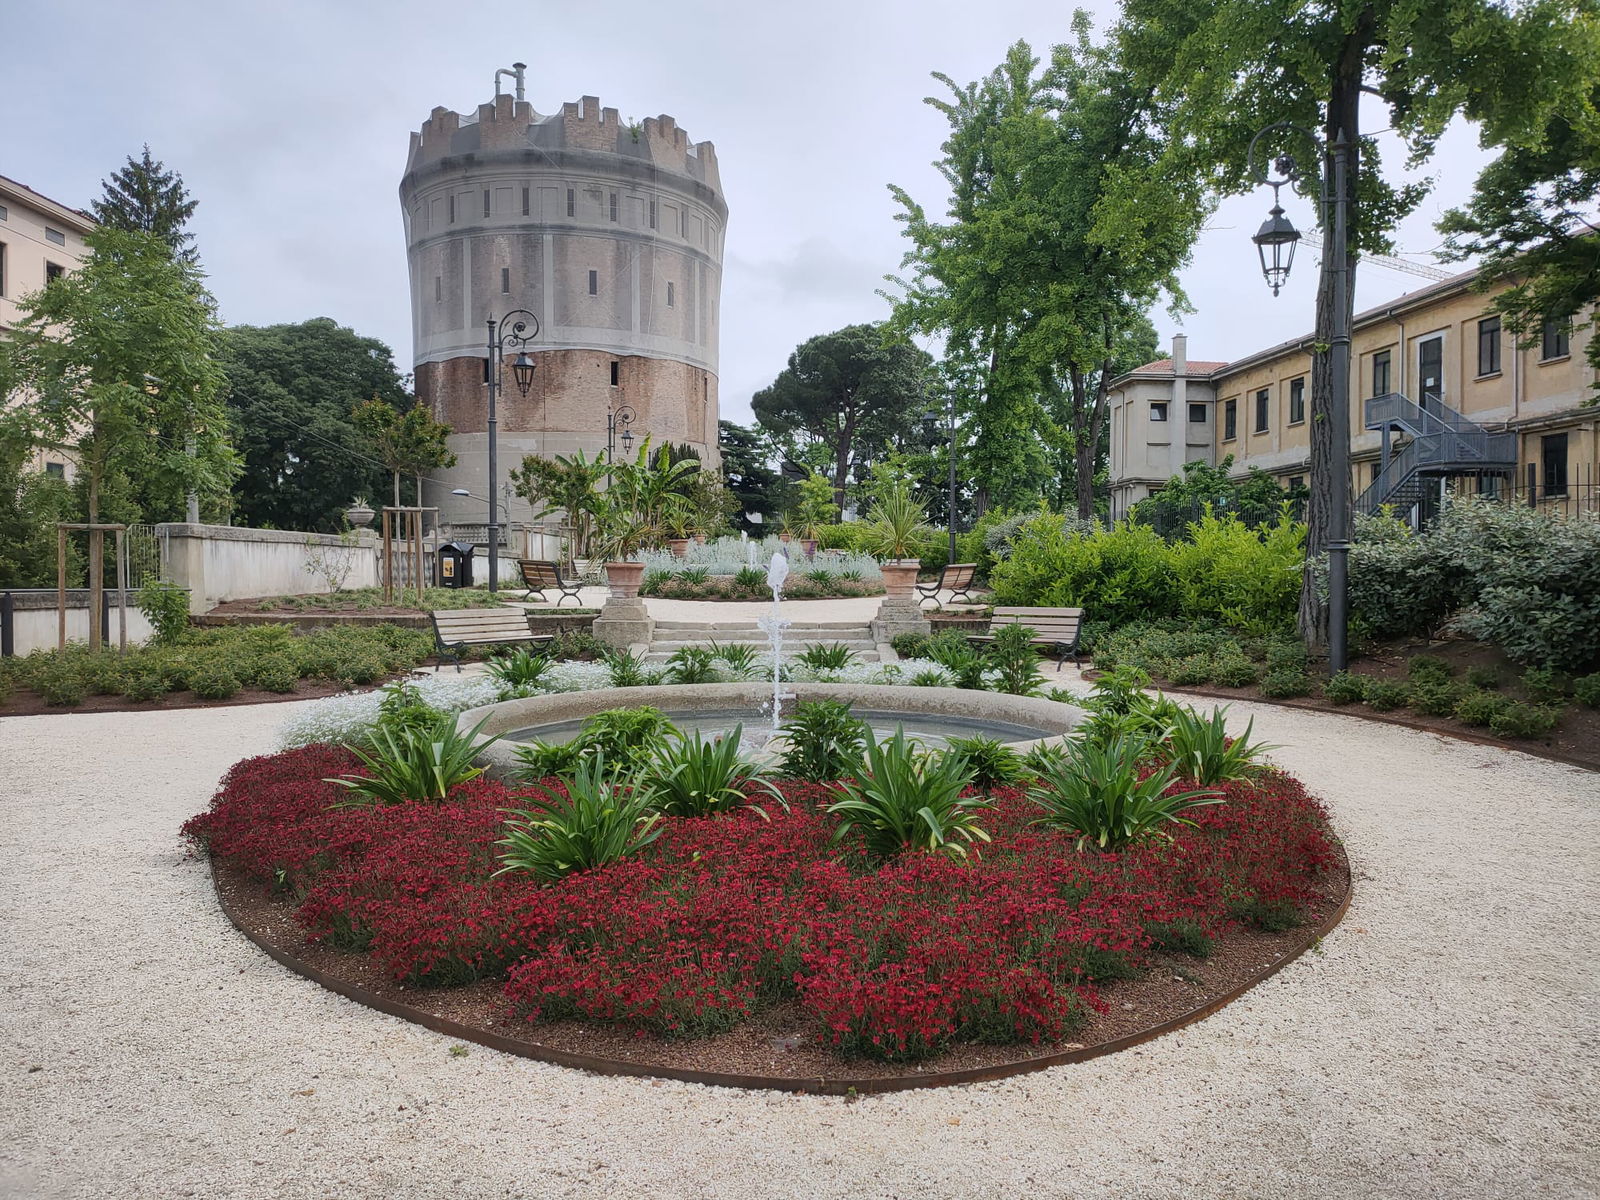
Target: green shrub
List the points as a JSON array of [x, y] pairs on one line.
[[739, 657], [627, 668], [1118, 575], [910, 645], [166, 606], [1285, 683], [831, 657], [989, 761], [519, 669], [1235, 671], [213, 681], [1483, 677], [691, 664], [750, 579], [1385, 695], [1193, 671], [1097, 793], [1434, 698], [1517, 720], [1399, 584], [1247, 577], [103, 673], [1015, 661], [1345, 688], [142, 686], [592, 818], [273, 673], [1586, 690], [1202, 751], [1428, 668], [1479, 707], [1544, 686], [903, 799], [627, 737], [413, 763], [823, 741], [1285, 654], [692, 777], [59, 681]]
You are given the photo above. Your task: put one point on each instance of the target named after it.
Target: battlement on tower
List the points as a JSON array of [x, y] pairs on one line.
[[506, 123]]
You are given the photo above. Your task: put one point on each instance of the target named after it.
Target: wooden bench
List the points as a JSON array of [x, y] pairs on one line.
[[1053, 627], [539, 574], [955, 578], [456, 629]]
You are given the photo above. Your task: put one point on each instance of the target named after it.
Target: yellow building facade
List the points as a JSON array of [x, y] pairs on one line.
[[1434, 374]]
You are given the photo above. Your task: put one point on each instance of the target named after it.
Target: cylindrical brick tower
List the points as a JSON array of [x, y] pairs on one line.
[[610, 233]]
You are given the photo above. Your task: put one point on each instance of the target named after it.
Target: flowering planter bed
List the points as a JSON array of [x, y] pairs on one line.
[[751, 952]]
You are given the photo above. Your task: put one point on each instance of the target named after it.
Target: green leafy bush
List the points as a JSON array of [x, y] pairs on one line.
[[413, 763], [1202, 751], [59, 682], [1098, 793], [691, 664], [1399, 586], [823, 741], [1433, 698], [1285, 683], [1387, 694], [520, 668], [1517, 720], [214, 681], [691, 777], [750, 579], [1120, 575], [627, 737], [592, 818], [1345, 688], [827, 657], [910, 645], [989, 761], [1483, 677], [1586, 690], [1544, 686], [1015, 661], [1195, 670], [627, 668], [277, 672], [1235, 671], [1479, 707], [166, 606], [1247, 577], [142, 686], [739, 657], [902, 798], [1428, 668]]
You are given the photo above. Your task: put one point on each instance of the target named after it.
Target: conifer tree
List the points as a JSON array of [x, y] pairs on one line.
[[146, 197]]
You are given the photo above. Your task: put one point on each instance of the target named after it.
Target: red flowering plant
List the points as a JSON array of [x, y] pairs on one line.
[[720, 917]]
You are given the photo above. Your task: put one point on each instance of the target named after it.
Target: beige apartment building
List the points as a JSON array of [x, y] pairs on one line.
[[39, 241], [1441, 398]]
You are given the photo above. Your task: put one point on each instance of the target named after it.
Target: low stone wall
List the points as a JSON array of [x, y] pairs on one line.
[[510, 715], [35, 623], [218, 563]]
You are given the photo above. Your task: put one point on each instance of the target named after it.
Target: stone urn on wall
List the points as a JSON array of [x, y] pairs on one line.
[[359, 514], [900, 578]]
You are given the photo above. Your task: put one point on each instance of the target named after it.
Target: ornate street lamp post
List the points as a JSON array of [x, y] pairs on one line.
[[516, 328], [1275, 242], [618, 418]]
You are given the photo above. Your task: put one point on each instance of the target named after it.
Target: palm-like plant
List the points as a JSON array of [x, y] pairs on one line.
[[833, 656], [696, 778], [416, 762], [903, 798], [587, 822], [1202, 751], [738, 657], [991, 762], [520, 668], [823, 741], [1097, 792], [692, 664], [896, 524]]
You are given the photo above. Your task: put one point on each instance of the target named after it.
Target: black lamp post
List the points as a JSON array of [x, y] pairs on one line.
[[1275, 242], [516, 328], [618, 418], [930, 426]]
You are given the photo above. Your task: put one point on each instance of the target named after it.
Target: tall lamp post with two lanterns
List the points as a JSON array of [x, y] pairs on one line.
[[1275, 242], [517, 328]]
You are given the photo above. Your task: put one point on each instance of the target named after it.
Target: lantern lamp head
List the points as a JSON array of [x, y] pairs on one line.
[[1275, 242], [522, 371]]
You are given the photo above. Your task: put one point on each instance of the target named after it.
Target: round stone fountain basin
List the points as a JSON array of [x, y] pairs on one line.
[[931, 715]]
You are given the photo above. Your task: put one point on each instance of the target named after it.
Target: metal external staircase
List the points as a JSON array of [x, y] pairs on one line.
[[1442, 443]]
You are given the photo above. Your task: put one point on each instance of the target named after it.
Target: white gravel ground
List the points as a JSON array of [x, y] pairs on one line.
[[1442, 1042]]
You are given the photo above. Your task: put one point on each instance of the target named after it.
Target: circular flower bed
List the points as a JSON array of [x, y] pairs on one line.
[[722, 921]]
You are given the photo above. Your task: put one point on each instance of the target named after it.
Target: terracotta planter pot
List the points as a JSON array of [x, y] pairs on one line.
[[623, 578], [699, 539], [784, 538], [809, 545], [679, 546], [900, 578]]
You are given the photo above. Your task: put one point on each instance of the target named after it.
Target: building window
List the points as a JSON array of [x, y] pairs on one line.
[[1158, 410], [1377, 469], [669, 295], [55, 236], [594, 283], [1553, 449], [438, 289], [2, 268], [1554, 343], [4, 215], [616, 373], [524, 201], [1230, 420], [653, 214], [1380, 373], [1296, 482], [55, 470], [505, 281], [1198, 414], [1489, 346], [53, 272], [1297, 400], [613, 205], [1263, 403], [572, 202], [486, 208], [452, 210]]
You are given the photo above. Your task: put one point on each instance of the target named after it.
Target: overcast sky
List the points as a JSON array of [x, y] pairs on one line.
[[289, 122]]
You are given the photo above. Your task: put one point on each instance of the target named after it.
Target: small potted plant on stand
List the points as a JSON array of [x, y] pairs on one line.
[[624, 619], [814, 509], [679, 526], [896, 526]]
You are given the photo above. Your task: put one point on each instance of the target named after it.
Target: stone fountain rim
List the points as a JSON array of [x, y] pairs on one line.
[[507, 715]]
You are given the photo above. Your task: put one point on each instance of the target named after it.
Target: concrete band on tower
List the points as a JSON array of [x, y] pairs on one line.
[[610, 233]]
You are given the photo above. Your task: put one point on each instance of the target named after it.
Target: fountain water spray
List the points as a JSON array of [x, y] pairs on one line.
[[774, 625]]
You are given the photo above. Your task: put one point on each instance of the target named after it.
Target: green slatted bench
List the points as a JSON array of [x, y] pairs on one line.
[[457, 629]]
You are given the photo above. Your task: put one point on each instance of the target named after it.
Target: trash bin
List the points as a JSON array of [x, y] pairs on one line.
[[455, 565]]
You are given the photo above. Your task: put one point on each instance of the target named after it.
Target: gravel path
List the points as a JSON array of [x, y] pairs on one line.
[[1441, 1043]]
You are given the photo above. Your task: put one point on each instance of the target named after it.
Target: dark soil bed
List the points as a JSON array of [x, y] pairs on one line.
[[27, 703], [771, 1049]]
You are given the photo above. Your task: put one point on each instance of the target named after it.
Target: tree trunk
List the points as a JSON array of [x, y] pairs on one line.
[[1344, 114], [396, 475], [1087, 435], [97, 566]]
